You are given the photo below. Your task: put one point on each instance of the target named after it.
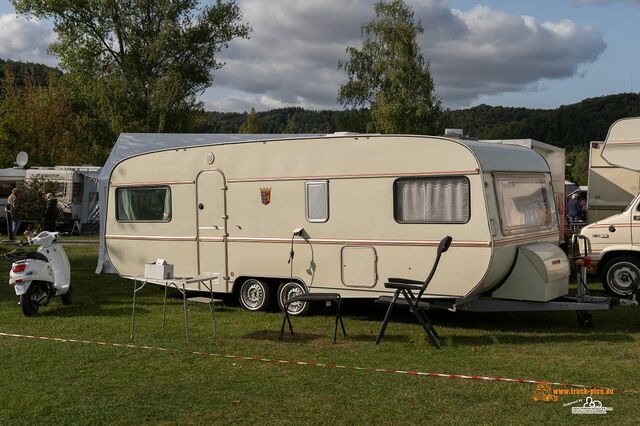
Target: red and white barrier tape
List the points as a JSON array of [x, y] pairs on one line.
[[304, 363]]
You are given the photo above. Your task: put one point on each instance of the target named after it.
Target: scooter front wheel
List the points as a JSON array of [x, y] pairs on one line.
[[66, 298], [29, 301]]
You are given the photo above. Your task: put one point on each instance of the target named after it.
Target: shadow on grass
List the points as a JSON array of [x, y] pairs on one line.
[[94, 311], [274, 335], [387, 337], [549, 323]]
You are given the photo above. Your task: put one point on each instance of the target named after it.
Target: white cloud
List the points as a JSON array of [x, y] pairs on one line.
[[25, 40], [292, 56], [497, 52]]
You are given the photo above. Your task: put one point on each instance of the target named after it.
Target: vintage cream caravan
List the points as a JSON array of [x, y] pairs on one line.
[[368, 207], [615, 240]]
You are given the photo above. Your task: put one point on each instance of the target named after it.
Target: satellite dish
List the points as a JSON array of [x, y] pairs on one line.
[[22, 158]]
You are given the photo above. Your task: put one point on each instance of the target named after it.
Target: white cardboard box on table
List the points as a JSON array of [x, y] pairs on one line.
[[159, 270]]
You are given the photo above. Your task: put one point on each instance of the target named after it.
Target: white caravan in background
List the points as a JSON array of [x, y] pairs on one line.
[[611, 187]]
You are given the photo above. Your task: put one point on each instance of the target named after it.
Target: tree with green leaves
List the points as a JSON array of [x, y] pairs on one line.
[[291, 127], [251, 125], [389, 75], [577, 160], [33, 199], [49, 123], [143, 63]]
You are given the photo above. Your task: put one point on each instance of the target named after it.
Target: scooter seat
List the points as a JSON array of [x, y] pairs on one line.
[[32, 255]]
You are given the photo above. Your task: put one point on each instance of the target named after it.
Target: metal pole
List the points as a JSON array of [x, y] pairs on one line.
[[164, 306], [133, 311]]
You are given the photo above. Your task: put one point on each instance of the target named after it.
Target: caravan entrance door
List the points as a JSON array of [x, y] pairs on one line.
[[212, 219]]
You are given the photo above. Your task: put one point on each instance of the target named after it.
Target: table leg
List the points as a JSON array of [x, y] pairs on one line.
[[335, 328], [186, 317], [213, 313]]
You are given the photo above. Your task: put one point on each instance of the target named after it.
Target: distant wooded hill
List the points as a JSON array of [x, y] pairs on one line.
[[23, 70], [569, 126]]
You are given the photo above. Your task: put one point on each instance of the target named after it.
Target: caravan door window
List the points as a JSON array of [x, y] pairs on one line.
[[143, 204], [432, 200], [525, 202]]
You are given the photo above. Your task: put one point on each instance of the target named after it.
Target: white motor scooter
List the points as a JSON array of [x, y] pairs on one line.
[[39, 276]]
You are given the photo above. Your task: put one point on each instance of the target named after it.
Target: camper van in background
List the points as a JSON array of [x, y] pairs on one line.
[[613, 187], [366, 207]]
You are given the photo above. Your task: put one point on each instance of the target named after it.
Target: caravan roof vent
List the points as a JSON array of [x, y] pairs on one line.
[[456, 133]]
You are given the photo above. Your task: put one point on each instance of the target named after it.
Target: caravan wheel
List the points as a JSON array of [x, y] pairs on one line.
[[254, 295], [288, 290]]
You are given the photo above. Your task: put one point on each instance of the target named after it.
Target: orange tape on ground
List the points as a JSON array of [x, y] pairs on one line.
[[306, 363]]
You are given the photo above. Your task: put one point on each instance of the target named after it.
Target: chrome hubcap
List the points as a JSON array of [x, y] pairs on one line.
[[622, 276], [291, 291], [253, 294]]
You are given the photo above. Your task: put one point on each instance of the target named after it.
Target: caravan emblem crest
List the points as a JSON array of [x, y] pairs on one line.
[[265, 195]]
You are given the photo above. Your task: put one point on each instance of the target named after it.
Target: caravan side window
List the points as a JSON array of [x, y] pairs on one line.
[[432, 200], [143, 204], [316, 194]]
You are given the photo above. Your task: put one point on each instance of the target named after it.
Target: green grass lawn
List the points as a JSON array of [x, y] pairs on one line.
[[43, 382]]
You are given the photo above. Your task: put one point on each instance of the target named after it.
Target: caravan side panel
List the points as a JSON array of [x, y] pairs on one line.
[[360, 173]]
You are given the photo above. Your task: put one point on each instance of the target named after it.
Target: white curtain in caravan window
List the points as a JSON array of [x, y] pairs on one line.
[[433, 200], [126, 210], [166, 214]]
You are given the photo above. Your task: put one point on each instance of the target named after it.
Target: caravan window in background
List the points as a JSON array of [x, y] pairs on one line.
[[6, 188], [432, 200], [143, 204], [316, 194], [526, 203]]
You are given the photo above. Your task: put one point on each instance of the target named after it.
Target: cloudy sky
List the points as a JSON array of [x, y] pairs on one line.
[[541, 53]]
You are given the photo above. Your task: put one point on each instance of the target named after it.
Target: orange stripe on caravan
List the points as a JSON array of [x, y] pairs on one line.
[[614, 143], [620, 225], [352, 176], [424, 243], [148, 238]]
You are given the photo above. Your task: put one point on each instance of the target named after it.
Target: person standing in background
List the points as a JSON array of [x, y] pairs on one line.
[[574, 211], [582, 202], [50, 213], [13, 202]]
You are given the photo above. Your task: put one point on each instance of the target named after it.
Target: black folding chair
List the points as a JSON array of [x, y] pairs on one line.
[[313, 297], [406, 288]]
